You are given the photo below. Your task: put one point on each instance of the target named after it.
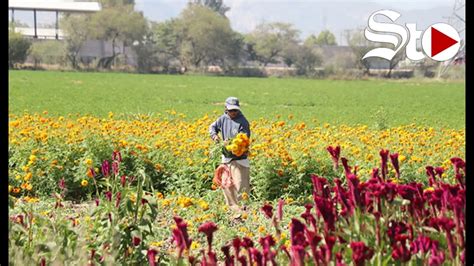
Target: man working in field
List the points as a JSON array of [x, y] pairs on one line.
[[231, 123]]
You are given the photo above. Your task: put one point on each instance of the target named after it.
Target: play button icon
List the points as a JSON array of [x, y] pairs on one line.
[[441, 42]]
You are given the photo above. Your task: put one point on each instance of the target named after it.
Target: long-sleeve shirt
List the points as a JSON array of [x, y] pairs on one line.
[[228, 128]]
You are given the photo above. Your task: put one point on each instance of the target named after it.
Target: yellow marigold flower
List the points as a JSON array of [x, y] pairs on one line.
[[195, 245], [204, 205], [245, 216], [261, 229], [402, 158], [156, 244], [428, 189], [17, 177], [245, 196], [84, 183], [16, 190], [111, 115], [159, 195], [88, 162], [32, 158]]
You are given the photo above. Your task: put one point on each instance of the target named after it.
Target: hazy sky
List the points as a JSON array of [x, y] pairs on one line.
[[309, 16]]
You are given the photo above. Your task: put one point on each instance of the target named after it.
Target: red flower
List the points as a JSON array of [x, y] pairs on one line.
[[267, 210], [335, 153], [347, 168], [123, 180], [117, 201], [458, 164], [136, 241], [108, 195], [297, 232], [360, 253], [115, 168], [325, 208], [384, 158], [208, 229], [116, 156], [394, 160]]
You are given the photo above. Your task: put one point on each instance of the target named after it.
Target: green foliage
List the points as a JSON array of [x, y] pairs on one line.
[[269, 40], [48, 52], [215, 5], [76, 28], [18, 48], [306, 61]]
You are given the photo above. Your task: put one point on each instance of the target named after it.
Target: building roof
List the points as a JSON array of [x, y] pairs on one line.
[[54, 5]]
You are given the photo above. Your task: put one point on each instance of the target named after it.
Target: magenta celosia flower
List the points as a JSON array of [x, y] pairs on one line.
[[375, 174], [335, 153], [394, 160], [180, 235], [446, 224], [97, 201], [136, 241], [229, 260], [115, 168], [326, 209], [256, 256], [151, 254], [354, 192], [339, 259], [297, 255], [62, 184], [395, 229], [236, 244], [424, 244], [208, 229], [360, 253], [108, 195], [116, 156], [105, 168], [267, 209], [431, 174], [246, 242], [400, 252], [439, 171], [123, 180], [383, 165], [281, 202], [313, 241], [43, 262], [320, 186], [458, 164], [297, 232], [343, 198], [347, 168], [117, 199], [242, 260], [436, 258]]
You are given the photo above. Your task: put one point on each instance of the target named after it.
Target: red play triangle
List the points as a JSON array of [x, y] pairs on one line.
[[440, 41]]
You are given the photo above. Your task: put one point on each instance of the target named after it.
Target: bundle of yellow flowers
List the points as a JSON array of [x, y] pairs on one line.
[[238, 145]]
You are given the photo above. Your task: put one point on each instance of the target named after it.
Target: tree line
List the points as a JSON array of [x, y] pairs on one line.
[[199, 37]]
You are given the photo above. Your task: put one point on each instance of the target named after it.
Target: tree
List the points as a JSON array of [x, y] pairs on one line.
[[325, 37], [360, 46], [18, 48], [215, 5], [306, 60], [207, 38], [168, 39], [77, 30], [269, 40], [115, 3], [119, 23]]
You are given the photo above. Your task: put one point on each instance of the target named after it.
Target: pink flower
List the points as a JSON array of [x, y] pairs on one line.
[[116, 156], [151, 254], [280, 209], [115, 168], [458, 164], [105, 168], [325, 208], [117, 201], [108, 195]]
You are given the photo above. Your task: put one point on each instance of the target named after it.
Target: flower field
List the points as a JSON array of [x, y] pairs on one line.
[[138, 190]]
